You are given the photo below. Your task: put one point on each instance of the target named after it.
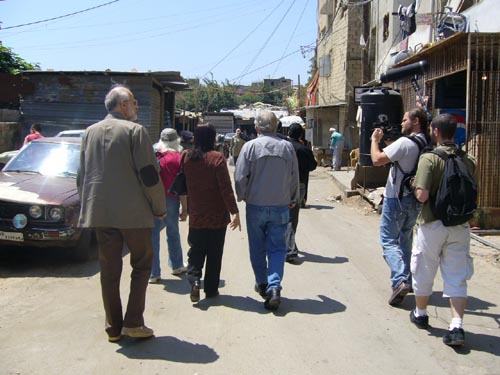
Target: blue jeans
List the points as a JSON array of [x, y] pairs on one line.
[[396, 235], [266, 227], [171, 221]]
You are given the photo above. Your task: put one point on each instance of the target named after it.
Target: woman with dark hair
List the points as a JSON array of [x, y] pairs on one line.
[[212, 206], [35, 133]]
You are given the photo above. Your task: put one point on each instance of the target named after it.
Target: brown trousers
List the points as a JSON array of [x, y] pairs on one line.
[[110, 242]]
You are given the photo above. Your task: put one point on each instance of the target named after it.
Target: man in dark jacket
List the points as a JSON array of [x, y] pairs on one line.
[[307, 163]]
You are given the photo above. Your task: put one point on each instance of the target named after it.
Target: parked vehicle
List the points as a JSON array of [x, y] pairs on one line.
[[6, 156], [228, 137], [221, 145], [71, 133], [39, 202]]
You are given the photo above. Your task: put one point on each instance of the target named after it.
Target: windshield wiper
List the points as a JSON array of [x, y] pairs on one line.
[[21, 170], [67, 174]]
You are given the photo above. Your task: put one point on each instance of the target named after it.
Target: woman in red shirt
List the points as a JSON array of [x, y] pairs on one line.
[[35, 133]]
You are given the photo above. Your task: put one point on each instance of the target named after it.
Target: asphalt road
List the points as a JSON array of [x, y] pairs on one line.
[[334, 316]]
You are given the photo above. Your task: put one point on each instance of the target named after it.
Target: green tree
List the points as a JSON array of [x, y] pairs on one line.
[[209, 96], [251, 97], [12, 63]]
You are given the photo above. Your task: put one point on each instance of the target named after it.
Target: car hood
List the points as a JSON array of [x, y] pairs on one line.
[[35, 188]]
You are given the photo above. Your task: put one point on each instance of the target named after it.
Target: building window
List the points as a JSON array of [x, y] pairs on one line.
[[385, 33], [324, 66]]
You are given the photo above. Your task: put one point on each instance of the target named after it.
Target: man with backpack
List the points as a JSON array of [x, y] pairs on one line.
[[400, 208], [446, 186]]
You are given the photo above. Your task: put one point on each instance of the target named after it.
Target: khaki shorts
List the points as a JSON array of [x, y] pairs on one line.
[[446, 247]]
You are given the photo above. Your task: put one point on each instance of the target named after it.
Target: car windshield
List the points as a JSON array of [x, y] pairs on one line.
[[49, 159], [70, 133]]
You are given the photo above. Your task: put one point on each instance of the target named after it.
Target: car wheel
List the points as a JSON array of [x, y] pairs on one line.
[[86, 248]]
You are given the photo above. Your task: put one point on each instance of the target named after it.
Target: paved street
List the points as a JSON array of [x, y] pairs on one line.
[[334, 317]]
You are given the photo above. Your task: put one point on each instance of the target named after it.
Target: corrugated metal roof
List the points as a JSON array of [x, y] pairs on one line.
[[170, 80]]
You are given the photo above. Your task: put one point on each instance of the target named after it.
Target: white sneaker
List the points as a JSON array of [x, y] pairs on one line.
[[154, 279], [179, 271]]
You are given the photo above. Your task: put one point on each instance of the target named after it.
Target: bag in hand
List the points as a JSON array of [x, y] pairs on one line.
[[179, 185]]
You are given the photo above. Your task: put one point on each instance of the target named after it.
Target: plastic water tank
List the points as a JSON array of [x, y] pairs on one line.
[[381, 106]]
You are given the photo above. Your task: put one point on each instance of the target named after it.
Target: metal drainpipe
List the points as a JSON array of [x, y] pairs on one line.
[[432, 28]]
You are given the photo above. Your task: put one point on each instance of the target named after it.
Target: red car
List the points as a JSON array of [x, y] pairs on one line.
[[39, 202]]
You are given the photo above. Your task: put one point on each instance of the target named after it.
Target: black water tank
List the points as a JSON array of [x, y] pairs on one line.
[[381, 106]]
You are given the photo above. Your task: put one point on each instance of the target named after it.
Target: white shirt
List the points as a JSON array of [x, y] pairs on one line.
[[406, 153]]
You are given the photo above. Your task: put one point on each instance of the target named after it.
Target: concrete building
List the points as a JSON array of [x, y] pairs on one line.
[[339, 57], [459, 43]]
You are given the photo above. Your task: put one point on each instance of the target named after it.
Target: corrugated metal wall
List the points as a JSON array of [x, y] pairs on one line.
[[74, 101], [224, 123], [483, 109], [483, 127]]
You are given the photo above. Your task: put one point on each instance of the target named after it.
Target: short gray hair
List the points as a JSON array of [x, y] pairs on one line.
[[115, 96], [266, 121]]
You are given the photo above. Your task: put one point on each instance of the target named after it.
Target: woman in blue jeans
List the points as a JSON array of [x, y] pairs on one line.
[[168, 153]]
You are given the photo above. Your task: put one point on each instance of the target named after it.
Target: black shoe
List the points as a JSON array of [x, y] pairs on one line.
[[261, 289], [211, 294], [455, 337], [398, 294], [195, 291], [421, 322], [273, 299]]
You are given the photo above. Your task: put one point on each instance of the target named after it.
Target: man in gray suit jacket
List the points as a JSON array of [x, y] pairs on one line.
[[120, 192]]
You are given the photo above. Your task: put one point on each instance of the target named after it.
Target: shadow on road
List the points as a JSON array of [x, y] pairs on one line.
[[317, 207], [475, 306], [181, 285], [473, 342], [324, 305], [314, 258], [167, 348], [35, 262]]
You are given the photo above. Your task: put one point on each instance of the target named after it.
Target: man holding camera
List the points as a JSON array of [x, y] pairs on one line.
[[400, 208]]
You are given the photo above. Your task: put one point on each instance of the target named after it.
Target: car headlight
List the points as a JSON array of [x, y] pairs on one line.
[[36, 212], [19, 221], [56, 213]]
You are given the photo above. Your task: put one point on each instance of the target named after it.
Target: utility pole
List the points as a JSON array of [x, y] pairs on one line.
[[298, 92]]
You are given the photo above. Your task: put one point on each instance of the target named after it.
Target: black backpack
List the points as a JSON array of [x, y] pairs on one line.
[[456, 198], [406, 182]]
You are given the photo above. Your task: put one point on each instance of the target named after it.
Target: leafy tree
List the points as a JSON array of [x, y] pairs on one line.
[[209, 97], [251, 97], [313, 67], [12, 63]]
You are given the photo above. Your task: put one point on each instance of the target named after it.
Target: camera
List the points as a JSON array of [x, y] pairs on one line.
[[391, 131]]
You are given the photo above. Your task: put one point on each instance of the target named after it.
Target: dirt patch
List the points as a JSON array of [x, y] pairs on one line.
[[360, 203], [366, 207], [486, 253]]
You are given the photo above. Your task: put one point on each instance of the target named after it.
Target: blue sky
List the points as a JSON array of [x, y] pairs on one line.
[[240, 40]]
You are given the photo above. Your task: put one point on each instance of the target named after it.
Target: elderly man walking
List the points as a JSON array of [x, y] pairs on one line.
[[267, 179], [121, 192]]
